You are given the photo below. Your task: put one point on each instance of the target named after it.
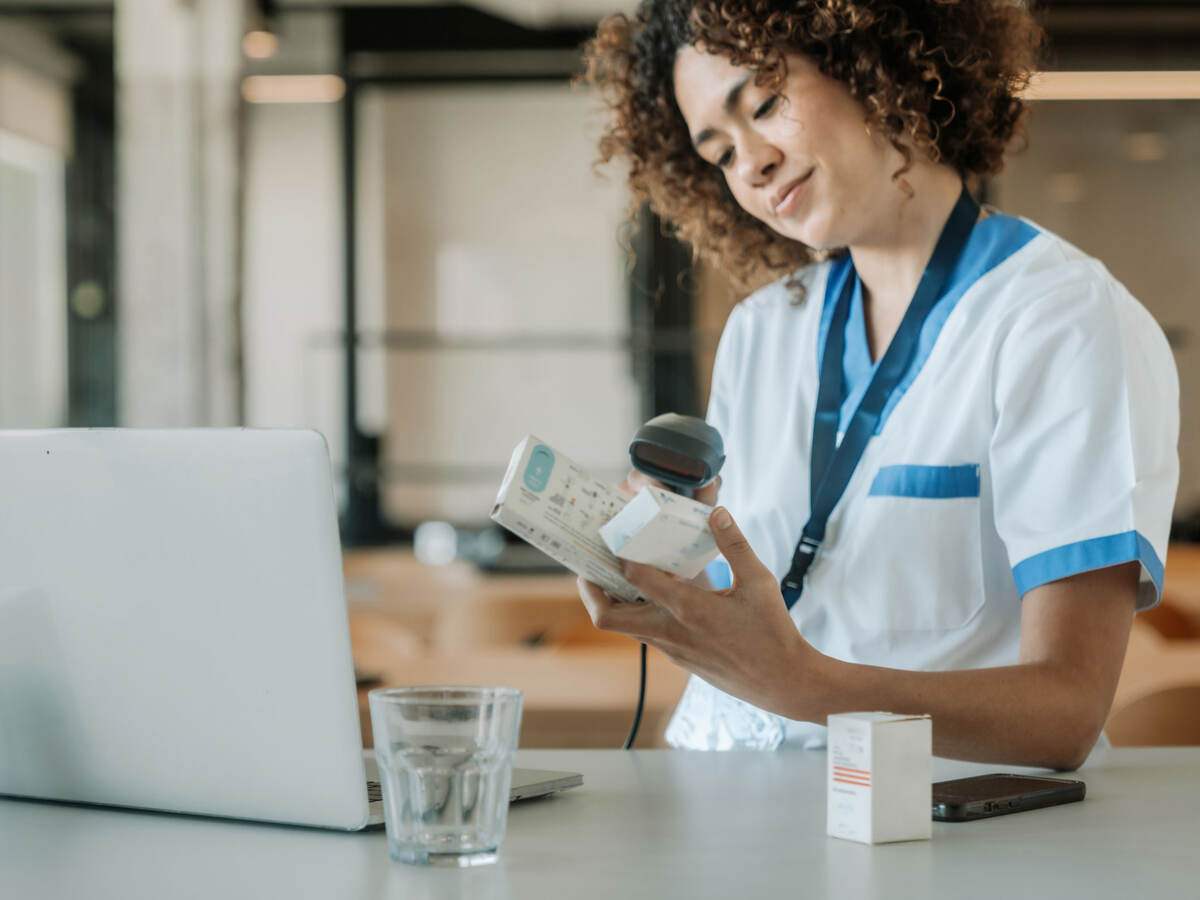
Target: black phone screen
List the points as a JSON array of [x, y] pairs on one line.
[[981, 796]]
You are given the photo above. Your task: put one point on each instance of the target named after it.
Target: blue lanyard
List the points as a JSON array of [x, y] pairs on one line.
[[833, 464]]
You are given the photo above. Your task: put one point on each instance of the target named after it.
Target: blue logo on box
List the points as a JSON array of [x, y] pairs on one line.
[[537, 471]]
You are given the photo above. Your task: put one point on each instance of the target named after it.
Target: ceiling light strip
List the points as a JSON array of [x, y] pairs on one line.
[[1178, 85], [293, 88], [1183, 85]]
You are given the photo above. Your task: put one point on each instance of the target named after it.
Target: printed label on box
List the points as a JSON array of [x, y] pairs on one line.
[[551, 502], [879, 777], [664, 530]]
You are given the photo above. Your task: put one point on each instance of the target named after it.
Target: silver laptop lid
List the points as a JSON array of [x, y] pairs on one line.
[[173, 631]]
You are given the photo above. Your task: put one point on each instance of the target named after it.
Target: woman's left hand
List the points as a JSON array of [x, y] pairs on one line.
[[740, 640]]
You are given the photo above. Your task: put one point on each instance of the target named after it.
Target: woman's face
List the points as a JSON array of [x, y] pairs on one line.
[[802, 160]]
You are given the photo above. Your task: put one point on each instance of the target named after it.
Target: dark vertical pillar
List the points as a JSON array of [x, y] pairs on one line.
[[91, 229], [661, 302], [362, 521]]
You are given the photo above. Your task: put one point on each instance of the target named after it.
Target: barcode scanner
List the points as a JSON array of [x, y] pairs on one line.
[[685, 453]]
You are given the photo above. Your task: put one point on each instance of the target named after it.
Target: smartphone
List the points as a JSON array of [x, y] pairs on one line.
[[981, 796]]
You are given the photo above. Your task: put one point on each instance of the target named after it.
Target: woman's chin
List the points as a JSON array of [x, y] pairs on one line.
[[815, 238]]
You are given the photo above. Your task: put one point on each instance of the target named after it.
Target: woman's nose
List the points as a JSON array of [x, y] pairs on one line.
[[759, 159]]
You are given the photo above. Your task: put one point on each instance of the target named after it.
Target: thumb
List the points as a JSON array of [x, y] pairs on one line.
[[735, 548]]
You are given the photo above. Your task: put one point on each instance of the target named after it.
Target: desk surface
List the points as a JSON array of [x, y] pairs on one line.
[[650, 824]]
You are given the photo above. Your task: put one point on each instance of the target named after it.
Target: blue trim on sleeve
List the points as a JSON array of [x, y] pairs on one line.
[[719, 574], [940, 482], [1084, 556], [992, 241]]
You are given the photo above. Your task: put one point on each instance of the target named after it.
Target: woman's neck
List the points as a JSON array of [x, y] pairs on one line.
[[892, 257]]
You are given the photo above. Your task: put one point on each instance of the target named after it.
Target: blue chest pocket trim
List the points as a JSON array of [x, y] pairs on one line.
[[939, 482]]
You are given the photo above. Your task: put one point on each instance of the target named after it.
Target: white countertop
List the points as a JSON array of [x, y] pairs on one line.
[[650, 824]]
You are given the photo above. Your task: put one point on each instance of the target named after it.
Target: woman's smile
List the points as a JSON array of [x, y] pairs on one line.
[[788, 200]]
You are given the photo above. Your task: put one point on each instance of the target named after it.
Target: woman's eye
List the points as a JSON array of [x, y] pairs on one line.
[[725, 159], [766, 106]]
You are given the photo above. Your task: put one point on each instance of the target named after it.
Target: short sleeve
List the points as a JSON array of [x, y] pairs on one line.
[[1083, 459]]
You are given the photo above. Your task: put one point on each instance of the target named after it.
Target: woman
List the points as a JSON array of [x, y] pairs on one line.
[[967, 424]]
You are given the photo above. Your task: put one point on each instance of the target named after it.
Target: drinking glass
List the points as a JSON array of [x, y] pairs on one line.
[[445, 766]]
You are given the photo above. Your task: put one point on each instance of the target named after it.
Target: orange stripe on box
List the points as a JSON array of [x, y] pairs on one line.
[[851, 781], [848, 769]]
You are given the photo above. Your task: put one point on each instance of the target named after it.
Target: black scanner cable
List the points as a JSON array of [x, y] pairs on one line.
[[637, 716], [683, 453]]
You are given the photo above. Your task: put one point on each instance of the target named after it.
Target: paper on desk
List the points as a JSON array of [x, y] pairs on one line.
[[664, 530], [551, 502]]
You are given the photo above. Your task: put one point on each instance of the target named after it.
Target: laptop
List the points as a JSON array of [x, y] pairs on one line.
[[173, 630]]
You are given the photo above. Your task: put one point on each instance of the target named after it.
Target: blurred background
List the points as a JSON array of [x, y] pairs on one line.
[[381, 220]]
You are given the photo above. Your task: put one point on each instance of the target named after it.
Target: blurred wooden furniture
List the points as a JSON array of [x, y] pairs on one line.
[[416, 624], [456, 606], [1158, 697], [577, 697], [1170, 716]]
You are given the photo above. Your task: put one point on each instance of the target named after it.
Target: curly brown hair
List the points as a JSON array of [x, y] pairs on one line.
[[942, 77]]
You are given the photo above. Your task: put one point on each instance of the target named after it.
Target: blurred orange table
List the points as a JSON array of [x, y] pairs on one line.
[[456, 606], [417, 624], [1163, 654], [575, 697]]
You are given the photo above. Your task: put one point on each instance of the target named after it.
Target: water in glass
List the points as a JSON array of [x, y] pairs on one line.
[[446, 805]]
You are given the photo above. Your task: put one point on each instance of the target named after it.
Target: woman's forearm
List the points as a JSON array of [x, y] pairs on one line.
[[1046, 711], [1036, 714]]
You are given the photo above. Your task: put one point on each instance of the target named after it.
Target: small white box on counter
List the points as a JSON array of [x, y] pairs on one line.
[[664, 530], [551, 502], [880, 774]]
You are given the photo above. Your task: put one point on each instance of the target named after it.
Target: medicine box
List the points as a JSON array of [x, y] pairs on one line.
[[551, 502], [880, 776], [664, 530]]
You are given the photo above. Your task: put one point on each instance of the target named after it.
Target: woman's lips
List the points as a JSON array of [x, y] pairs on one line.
[[791, 199]]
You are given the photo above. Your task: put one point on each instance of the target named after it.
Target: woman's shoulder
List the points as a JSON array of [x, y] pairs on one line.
[[1048, 263], [1053, 287], [1049, 271]]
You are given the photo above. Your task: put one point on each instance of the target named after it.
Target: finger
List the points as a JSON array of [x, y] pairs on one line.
[[641, 620], [662, 589], [733, 545], [596, 600]]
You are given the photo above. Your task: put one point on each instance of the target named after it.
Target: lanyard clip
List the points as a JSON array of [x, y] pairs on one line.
[[806, 551]]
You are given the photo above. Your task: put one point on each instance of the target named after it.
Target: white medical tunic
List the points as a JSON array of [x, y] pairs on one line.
[[1033, 437]]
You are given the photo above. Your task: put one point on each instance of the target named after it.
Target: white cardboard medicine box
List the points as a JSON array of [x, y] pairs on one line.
[[554, 504], [664, 530], [880, 775]]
